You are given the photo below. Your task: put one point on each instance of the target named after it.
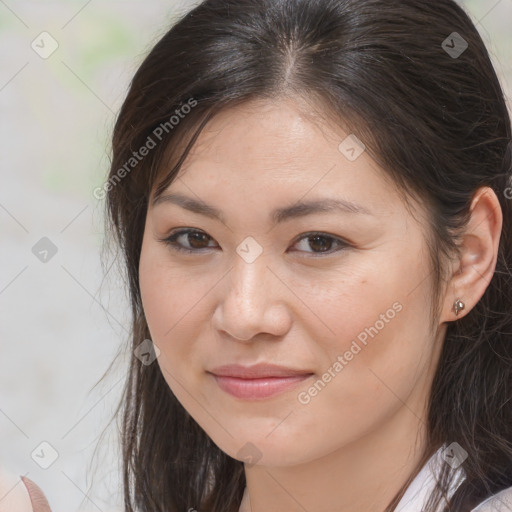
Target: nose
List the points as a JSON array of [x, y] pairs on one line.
[[252, 301]]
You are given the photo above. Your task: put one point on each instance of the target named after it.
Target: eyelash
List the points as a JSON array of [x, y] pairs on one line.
[[170, 241]]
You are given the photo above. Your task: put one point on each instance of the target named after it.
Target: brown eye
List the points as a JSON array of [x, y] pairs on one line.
[[322, 243], [196, 239]]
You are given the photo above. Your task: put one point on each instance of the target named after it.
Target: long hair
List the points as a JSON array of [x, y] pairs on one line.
[[412, 80]]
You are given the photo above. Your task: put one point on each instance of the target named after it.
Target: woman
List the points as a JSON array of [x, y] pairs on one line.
[[311, 201]]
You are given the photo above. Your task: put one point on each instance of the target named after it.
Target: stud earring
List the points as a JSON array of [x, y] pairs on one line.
[[458, 306]]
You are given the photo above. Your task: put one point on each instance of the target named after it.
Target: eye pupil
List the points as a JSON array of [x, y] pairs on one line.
[[196, 236], [315, 238]]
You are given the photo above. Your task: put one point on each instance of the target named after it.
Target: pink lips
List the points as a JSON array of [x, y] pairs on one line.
[[258, 381]]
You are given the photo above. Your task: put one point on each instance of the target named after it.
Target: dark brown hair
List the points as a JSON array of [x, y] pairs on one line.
[[435, 121]]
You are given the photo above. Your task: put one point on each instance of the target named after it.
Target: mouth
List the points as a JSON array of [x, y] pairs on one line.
[[253, 389], [257, 382]]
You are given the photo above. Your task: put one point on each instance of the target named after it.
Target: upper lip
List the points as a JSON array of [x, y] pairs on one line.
[[257, 371]]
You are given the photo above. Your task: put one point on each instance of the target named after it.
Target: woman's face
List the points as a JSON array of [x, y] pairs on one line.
[[348, 308]]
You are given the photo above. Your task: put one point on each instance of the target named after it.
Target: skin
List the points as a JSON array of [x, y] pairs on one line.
[[354, 444]]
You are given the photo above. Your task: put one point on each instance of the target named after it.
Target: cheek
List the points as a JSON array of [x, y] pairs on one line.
[[175, 311], [378, 306], [155, 294], [352, 305], [380, 352], [360, 393], [167, 292]]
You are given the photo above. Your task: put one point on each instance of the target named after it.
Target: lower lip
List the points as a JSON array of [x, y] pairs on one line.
[[254, 389]]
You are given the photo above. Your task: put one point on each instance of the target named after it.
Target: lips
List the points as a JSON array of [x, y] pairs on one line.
[[259, 381]]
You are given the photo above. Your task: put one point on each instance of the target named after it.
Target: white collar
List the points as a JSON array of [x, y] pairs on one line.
[[416, 495]]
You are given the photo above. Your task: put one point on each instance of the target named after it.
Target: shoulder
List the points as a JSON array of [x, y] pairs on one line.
[[500, 502], [20, 494]]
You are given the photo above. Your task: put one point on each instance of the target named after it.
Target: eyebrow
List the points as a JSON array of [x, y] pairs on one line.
[[299, 209]]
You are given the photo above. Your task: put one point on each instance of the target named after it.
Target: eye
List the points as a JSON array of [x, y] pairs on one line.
[[195, 238], [321, 243]]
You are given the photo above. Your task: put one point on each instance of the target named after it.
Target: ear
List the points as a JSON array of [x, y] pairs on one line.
[[478, 255]]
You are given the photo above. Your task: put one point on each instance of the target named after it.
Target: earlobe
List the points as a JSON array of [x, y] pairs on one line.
[[478, 255]]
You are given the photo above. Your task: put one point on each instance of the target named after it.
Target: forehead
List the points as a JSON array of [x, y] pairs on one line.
[[265, 133], [273, 152]]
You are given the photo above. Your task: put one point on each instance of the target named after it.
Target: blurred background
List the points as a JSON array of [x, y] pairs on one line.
[[65, 68]]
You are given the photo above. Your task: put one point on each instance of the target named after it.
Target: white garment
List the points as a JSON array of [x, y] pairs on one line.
[[419, 490], [501, 502], [416, 495]]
